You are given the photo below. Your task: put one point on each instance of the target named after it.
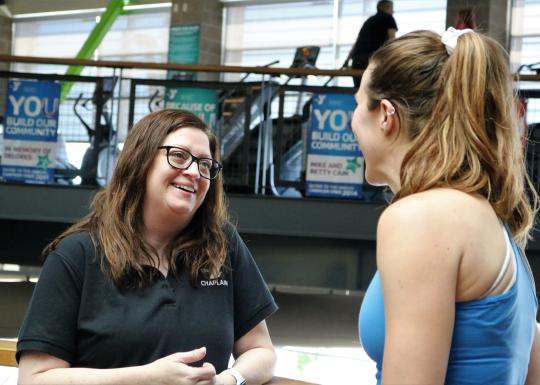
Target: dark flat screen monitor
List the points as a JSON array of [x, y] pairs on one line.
[[305, 57]]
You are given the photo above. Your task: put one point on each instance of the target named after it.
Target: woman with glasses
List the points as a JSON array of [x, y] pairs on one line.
[[153, 285], [453, 301]]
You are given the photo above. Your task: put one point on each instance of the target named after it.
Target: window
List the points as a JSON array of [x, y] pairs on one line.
[[140, 35], [525, 32], [258, 34], [525, 47], [136, 36]]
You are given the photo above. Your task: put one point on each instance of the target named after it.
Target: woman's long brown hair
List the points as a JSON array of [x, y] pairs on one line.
[[115, 221], [460, 113]]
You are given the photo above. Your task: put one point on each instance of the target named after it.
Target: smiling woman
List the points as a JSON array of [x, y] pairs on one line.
[[124, 294], [176, 187]]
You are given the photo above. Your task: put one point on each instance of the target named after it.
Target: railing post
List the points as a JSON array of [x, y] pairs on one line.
[[260, 138], [132, 91]]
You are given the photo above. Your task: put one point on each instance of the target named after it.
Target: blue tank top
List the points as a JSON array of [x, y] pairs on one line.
[[492, 337]]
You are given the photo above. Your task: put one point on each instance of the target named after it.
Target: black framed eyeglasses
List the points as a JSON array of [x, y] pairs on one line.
[[182, 159]]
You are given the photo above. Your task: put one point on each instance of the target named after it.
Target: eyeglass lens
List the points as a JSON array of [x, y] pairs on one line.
[[180, 158]]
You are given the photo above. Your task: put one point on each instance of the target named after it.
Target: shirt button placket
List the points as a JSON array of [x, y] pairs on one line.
[[171, 299]]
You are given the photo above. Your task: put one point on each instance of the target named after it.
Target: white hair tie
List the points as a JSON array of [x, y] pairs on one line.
[[450, 38]]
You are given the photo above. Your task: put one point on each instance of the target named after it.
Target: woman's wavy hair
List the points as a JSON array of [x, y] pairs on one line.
[[115, 222], [460, 113]]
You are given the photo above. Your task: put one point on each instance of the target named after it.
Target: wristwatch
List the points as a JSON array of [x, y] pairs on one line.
[[237, 376]]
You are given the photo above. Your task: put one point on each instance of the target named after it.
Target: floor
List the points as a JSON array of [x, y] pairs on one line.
[[316, 339]]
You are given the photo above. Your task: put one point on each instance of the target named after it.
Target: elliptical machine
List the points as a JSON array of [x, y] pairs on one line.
[[97, 166]]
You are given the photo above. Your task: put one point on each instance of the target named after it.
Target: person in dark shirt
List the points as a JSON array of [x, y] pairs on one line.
[[465, 19], [154, 285], [375, 31]]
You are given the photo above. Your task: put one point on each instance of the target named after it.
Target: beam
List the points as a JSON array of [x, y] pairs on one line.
[[107, 19]]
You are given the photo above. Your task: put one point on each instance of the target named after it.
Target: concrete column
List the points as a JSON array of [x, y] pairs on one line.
[[5, 48], [209, 15], [492, 17]]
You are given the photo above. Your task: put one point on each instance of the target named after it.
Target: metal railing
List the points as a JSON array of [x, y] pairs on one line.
[[243, 135], [263, 139]]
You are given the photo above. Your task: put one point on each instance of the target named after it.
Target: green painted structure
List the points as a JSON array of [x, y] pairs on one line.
[[107, 19]]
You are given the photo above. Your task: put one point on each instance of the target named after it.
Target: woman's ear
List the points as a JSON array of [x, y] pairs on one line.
[[389, 118]]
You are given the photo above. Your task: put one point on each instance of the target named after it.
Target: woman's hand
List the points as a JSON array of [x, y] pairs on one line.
[[174, 369]]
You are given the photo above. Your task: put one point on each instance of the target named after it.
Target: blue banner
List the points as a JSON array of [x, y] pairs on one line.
[[30, 131], [335, 166]]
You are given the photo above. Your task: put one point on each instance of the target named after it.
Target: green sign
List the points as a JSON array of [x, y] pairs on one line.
[[201, 101], [184, 49]]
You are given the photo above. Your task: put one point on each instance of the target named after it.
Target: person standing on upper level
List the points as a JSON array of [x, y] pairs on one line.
[[465, 19], [375, 31]]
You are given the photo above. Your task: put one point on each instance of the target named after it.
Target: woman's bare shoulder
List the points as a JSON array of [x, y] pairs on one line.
[[442, 206], [434, 222]]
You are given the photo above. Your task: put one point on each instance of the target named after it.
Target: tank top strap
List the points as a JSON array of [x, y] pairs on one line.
[[509, 256], [520, 255]]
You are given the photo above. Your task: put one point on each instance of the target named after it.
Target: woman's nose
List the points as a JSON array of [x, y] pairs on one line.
[[193, 169]]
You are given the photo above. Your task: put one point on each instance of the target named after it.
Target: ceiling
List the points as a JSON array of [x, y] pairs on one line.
[[17, 7]]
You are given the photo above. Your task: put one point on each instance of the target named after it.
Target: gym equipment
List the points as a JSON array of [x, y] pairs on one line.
[[96, 171]]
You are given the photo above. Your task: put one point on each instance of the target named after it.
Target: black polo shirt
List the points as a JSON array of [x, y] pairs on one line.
[[77, 314], [373, 34]]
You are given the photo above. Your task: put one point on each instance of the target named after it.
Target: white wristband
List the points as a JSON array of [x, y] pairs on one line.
[[237, 376]]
